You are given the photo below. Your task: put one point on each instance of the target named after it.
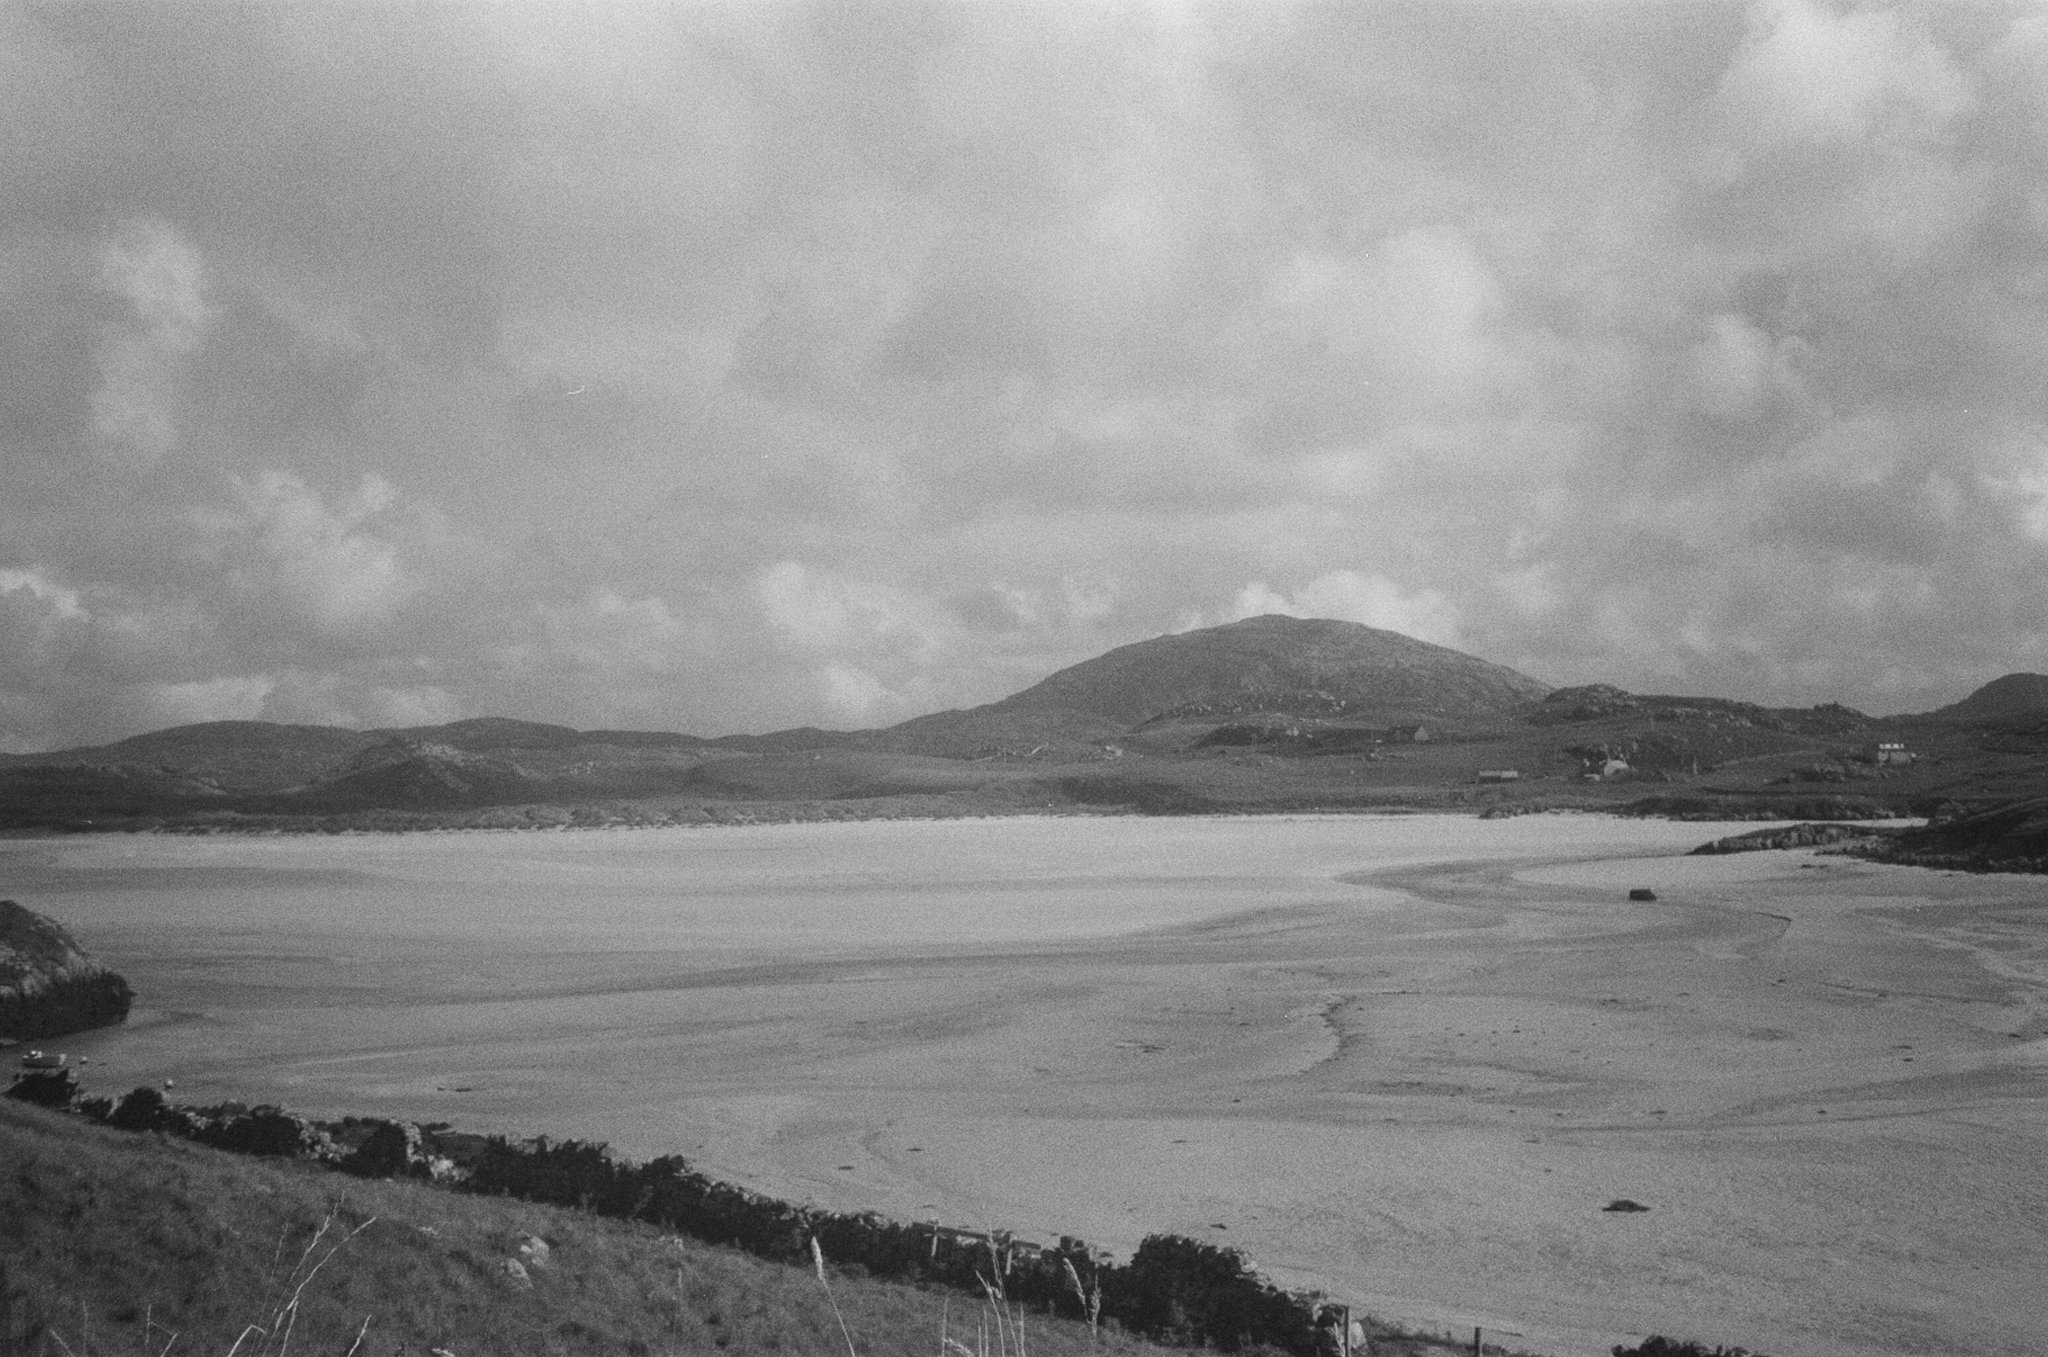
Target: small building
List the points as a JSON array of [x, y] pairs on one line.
[[1500, 775], [1893, 752]]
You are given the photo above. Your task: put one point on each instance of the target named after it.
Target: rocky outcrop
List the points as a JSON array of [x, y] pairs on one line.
[[1791, 836], [48, 985], [2009, 837]]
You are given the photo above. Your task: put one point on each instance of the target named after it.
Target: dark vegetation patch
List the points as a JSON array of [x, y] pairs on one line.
[[1140, 796], [1658, 1346]]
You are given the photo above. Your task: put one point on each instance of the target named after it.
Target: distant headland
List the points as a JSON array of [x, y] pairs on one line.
[[49, 987]]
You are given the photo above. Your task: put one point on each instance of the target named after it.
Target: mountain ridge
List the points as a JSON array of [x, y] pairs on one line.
[[1267, 665], [1266, 713], [2016, 694], [1276, 656]]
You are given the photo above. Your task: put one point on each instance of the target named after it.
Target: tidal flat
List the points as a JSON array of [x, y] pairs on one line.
[[1403, 1059]]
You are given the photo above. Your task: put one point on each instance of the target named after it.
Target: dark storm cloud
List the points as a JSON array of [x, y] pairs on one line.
[[731, 366]]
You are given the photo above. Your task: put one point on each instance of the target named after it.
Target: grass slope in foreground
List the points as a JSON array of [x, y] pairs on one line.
[[115, 1244]]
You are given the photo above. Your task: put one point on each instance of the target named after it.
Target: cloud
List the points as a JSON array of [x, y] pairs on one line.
[[1852, 131], [330, 567], [824, 611], [80, 661], [158, 276], [2020, 484], [846, 629], [41, 592], [610, 630], [158, 273], [42, 625], [1740, 368], [1809, 75], [725, 367], [238, 697], [347, 700]]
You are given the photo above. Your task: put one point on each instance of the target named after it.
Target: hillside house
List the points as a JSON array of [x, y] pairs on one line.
[[1893, 752], [1407, 735], [1500, 775]]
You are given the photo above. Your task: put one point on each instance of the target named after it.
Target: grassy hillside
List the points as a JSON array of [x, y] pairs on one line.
[[116, 1242], [125, 1244]]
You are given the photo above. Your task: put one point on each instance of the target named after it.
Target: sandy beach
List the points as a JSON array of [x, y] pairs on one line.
[[1406, 1060]]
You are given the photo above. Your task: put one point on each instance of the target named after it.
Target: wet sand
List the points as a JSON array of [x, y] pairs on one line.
[[1405, 1060]]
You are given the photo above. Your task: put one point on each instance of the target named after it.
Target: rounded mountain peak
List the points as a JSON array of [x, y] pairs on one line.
[[1279, 663], [2012, 695]]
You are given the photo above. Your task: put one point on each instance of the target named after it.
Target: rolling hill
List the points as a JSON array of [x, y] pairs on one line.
[[1271, 666], [1265, 714], [2015, 695]]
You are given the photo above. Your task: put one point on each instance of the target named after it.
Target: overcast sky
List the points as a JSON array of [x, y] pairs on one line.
[[735, 366]]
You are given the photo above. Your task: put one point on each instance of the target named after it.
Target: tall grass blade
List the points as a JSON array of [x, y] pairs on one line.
[[818, 1257]]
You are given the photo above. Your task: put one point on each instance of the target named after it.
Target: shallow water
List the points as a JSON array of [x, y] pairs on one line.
[[1405, 1059]]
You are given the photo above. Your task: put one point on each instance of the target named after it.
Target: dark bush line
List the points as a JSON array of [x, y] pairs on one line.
[[1173, 1290], [1138, 795], [1658, 1346]]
